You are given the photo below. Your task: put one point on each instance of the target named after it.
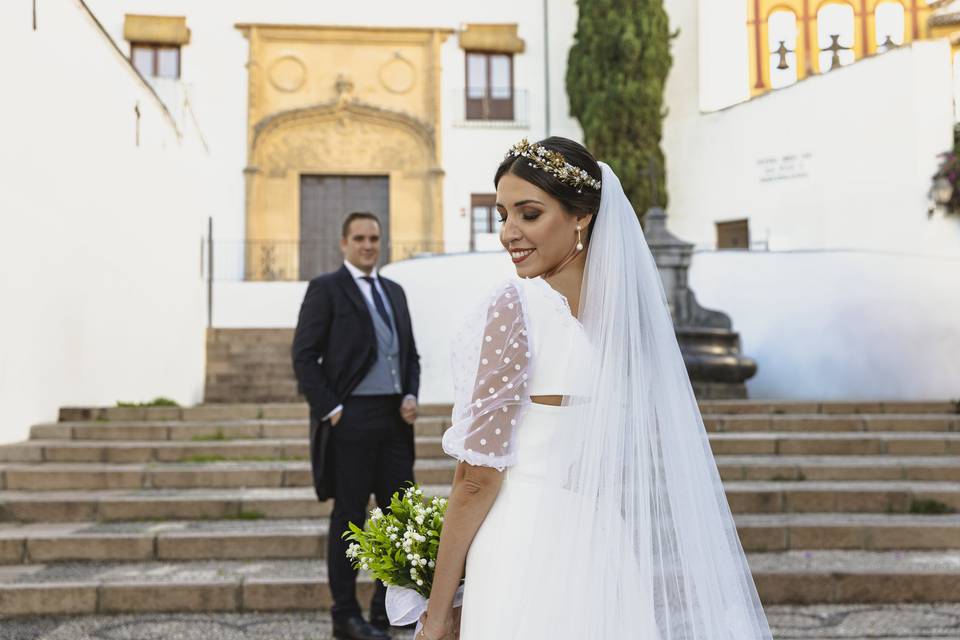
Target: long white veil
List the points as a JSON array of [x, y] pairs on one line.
[[636, 538]]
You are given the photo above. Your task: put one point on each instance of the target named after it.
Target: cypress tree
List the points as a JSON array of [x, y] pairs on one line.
[[616, 73]]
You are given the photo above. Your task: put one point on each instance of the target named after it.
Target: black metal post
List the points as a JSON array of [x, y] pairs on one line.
[[546, 69], [210, 272]]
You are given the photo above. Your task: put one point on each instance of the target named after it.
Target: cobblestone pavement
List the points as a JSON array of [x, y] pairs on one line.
[[824, 622]]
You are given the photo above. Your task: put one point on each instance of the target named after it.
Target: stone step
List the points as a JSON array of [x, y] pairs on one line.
[[259, 371], [836, 444], [439, 469], [264, 439], [434, 425], [847, 531], [134, 451], [827, 407], [191, 451], [166, 504], [859, 468], [232, 411], [806, 423], [781, 578], [206, 431], [72, 476], [841, 497], [198, 413], [806, 577], [274, 391], [302, 539], [113, 588], [299, 502], [206, 412]]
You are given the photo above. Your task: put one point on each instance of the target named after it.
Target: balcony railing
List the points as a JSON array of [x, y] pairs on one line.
[[489, 108], [296, 260]]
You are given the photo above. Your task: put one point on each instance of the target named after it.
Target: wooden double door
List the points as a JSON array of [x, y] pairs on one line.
[[325, 200]]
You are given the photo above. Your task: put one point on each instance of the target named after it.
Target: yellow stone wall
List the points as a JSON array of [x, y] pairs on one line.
[[156, 29], [947, 26], [343, 101], [916, 14]]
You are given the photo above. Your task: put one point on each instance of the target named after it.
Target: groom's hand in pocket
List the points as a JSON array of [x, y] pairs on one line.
[[335, 418], [408, 409]]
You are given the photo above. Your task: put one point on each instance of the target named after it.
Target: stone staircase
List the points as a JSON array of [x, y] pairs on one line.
[[250, 365], [211, 508]]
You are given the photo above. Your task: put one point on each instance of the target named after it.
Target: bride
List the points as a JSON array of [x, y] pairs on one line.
[[587, 503]]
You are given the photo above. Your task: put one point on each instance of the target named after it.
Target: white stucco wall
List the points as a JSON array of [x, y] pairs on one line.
[[866, 138], [276, 305], [261, 305], [215, 76], [840, 325], [821, 325], [100, 267], [440, 290], [840, 160], [722, 56], [724, 42]]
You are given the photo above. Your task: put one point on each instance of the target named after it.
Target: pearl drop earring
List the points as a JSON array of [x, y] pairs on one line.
[[579, 242]]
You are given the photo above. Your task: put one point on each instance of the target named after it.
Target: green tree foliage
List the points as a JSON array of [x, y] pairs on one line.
[[616, 73]]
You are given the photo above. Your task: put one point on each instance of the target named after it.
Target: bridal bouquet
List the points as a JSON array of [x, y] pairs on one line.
[[400, 549]]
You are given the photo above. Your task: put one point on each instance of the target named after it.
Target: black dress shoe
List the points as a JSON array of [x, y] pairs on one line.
[[356, 628], [380, 620]]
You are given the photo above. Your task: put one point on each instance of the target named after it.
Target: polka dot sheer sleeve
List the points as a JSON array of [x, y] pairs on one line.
[[491, 363]]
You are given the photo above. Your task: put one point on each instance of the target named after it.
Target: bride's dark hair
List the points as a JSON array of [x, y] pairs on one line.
[[585, 201]]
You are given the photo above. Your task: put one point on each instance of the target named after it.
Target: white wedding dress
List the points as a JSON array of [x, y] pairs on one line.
[[558, 361], [611, 521]]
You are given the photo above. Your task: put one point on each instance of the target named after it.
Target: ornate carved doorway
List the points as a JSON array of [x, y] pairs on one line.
[[330, 105]]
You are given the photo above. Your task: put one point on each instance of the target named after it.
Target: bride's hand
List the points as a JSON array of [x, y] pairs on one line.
[[436, 629], [456, 621]]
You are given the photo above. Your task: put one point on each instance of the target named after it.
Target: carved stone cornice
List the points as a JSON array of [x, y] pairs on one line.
[[156, 29], [353, 107], [501, 38]]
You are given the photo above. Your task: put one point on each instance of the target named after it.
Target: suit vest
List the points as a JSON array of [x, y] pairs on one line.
[[384, 377]]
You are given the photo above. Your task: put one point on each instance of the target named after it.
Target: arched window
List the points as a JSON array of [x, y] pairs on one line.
[[782, 38], [835, 29], [890, 21]]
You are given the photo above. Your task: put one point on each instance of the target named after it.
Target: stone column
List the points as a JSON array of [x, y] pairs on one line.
[[710, 347]]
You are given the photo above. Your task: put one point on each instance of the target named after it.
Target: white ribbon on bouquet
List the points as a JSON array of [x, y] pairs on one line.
[[405, 606]]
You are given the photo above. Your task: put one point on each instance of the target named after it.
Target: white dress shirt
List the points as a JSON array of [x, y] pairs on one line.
[[359, 276], [365, 289]]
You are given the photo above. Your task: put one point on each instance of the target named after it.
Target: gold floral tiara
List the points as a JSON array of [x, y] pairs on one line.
[[554, 163]]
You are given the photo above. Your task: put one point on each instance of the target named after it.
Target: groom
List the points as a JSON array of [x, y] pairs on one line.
[[357, 364]]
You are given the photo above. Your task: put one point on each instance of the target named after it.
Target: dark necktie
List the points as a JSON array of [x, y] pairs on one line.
[[378, 302]]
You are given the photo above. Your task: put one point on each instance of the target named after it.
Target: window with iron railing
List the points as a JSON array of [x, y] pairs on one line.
[[483, 212], [489, 90], [484, 222]]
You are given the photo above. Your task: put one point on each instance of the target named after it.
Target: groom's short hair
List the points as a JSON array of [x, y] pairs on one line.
[[359, 215]]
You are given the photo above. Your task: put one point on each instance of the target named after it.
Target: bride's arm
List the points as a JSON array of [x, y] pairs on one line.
[[481, 437], [473, 493]]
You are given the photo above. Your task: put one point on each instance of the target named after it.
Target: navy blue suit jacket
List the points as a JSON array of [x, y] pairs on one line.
[[335, 346]]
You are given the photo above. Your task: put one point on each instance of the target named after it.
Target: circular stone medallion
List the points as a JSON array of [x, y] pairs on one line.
[[287, 73], [397, 75]]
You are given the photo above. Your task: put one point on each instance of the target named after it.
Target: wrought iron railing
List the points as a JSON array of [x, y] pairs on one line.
[[489, 108], [284, 260]]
